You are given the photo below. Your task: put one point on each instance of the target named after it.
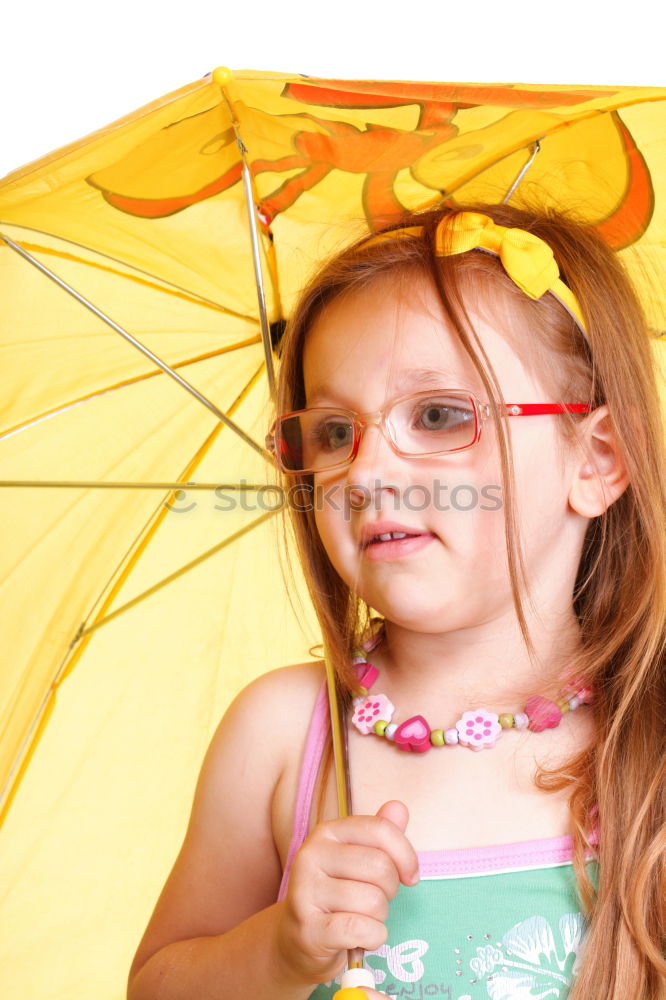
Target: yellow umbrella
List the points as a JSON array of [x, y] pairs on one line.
[[139, 582]]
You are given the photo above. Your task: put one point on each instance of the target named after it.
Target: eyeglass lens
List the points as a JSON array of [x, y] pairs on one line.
[[425, 424]]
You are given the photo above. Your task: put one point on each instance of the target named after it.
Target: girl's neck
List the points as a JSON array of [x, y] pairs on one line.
[[486, 666]]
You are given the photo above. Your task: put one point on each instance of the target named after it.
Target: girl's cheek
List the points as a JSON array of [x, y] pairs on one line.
[[329, 504]]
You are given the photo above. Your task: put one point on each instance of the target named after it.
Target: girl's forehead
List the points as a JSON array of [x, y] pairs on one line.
[[382, 326], [398, 334]]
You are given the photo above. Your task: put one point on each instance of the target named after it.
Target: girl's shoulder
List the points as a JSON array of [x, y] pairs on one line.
[[282, 703], [282, 697], [274, 710]]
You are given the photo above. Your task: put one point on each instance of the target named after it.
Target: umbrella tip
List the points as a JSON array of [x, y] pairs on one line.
[[222, 75]]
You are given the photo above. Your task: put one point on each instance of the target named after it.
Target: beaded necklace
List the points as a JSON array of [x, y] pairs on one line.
[[478, 729]]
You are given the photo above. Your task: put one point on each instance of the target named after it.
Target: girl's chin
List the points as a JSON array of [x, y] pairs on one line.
[[418, 615]]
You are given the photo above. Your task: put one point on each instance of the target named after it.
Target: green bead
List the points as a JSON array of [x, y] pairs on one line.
[[437, 737], [379, 726], [506, 721]]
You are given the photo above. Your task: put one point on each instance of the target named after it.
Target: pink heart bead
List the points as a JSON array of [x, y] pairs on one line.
[[543, 713], [414, 734]]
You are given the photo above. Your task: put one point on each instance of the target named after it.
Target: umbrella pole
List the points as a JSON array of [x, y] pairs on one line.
[[355, 975], [258, 276], [222, 76]]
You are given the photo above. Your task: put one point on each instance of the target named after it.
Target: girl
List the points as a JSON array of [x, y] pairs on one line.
[[482, 583]]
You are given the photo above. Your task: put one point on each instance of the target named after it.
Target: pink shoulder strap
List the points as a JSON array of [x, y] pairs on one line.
[[314, 748]]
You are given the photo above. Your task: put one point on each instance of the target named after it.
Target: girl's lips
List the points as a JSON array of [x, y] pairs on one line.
[[397, 548]]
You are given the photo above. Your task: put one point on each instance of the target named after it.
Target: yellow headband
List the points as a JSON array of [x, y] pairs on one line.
[[526, 258]]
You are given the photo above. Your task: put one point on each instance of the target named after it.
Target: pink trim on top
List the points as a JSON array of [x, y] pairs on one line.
[[498, 857]]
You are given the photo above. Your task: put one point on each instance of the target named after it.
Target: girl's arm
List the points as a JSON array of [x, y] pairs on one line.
[[228, 869], [216, 931]]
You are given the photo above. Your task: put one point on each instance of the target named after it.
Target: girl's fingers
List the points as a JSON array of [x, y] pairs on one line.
[[396, 811], [361, 864], [345, 896], [341, 881], [378, 832], [343, 931]]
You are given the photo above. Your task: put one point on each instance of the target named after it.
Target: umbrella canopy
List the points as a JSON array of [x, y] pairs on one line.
[[139, 576]]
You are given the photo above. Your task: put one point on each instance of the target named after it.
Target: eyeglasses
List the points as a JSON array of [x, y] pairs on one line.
[[420, 425]]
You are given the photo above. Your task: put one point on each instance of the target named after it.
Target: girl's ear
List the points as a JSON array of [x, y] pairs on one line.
[[599, 472]]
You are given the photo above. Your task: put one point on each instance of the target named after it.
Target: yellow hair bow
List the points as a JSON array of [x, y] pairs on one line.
[[526, 258]]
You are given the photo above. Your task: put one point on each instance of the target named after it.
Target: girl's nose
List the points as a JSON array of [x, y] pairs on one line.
[[375, 465]]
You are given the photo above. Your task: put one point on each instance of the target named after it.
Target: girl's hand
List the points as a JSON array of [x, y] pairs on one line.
[[340, 885]]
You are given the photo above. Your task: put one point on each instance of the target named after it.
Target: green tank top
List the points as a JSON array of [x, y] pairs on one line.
[[506, 934]]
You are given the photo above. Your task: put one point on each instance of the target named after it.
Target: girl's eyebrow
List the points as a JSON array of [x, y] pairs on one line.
[[427, 378], [411, 378]]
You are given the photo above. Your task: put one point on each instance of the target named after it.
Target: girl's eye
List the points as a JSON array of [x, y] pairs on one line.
[[334, 434], [436, 416]]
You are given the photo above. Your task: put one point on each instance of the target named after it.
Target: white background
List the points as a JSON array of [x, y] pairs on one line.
[[69, 67]]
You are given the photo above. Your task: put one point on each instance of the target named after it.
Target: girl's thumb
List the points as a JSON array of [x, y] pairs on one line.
[[397, 812]]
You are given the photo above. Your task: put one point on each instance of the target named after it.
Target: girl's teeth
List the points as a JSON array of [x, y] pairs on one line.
[[391, 535]]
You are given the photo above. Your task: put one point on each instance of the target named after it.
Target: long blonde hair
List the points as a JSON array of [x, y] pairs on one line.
[[620, 592]]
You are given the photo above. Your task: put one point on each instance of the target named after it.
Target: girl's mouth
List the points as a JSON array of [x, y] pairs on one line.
[[390, 536], [394, 544]]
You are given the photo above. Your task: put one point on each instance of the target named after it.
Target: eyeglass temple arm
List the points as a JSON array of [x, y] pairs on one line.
[[534, 409]]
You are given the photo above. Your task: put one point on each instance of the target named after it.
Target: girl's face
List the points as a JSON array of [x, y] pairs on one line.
[[372, 346]]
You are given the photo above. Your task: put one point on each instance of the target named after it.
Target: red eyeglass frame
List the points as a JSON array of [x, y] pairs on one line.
[[360, 421]]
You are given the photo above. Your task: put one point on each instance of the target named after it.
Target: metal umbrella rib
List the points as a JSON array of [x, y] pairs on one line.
[[139, 346]]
